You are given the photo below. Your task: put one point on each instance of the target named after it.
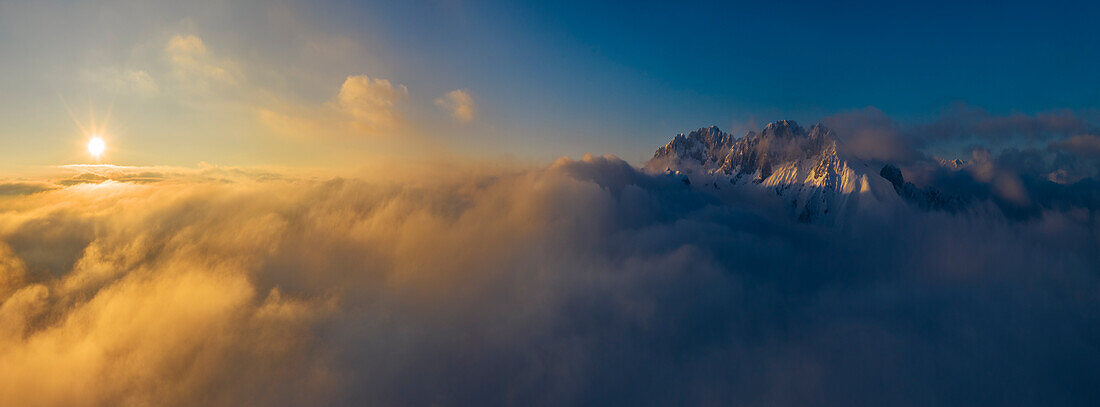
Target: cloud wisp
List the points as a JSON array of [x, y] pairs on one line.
[[192, 65]]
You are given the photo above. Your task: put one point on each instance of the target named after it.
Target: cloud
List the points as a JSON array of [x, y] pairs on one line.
[[1084, 145], [23, 188], [459, 104], [140, 81], [872, 135], [192, 64], [362, 106], [967, 122], [372, 101], [187, 45], [584, 282], [1019, 163]]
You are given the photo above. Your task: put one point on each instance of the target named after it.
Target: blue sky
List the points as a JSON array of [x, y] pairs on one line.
[[554, 78], [651, 69], [689, 63]]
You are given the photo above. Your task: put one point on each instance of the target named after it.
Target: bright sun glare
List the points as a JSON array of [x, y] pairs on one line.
[[96, 146]]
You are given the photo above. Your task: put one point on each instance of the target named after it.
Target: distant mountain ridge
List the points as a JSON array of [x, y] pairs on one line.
[[803, 167]]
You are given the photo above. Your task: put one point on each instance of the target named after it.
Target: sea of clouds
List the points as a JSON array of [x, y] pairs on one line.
[[584, 282]]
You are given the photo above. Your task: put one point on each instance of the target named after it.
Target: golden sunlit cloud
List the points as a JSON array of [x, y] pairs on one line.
[[372, 101], [459, 103], [363, 105], [194, 66]]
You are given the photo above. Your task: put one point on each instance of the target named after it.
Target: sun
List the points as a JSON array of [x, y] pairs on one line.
[[96, 146]]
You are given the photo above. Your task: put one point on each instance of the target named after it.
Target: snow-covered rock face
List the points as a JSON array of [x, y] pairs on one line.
[[780, 143], [703, 149], [803, 168]]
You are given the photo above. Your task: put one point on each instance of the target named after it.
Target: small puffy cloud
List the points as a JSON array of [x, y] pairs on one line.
[[191, 62], [372, 101], [363, 106], [459, 104]]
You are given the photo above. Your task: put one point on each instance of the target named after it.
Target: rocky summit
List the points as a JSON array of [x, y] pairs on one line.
[[805, 168]]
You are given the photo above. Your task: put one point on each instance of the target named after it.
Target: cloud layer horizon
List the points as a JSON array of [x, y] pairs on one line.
[[585, 282]]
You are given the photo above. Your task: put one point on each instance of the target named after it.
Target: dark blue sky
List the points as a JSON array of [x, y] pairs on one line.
[[650, 69]]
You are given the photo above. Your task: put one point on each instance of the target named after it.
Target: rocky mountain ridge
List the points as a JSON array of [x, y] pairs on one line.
[[807, 169]]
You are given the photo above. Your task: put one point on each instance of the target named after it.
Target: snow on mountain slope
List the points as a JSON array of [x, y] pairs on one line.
[[804, 169], [704, 149]]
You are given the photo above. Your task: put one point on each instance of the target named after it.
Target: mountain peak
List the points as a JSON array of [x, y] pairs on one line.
[[709, 149], [780, 142], [782, 128], [703, 148], [802, 167], [710, 134]]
